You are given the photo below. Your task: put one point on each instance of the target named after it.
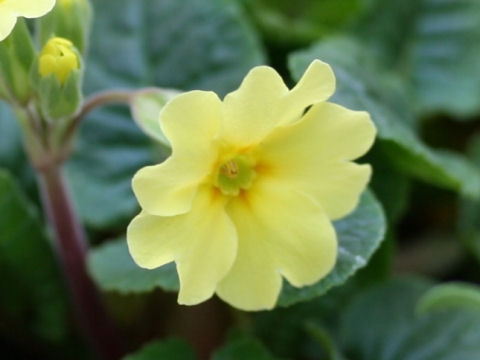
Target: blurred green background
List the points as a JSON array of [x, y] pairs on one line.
[[413, 64]]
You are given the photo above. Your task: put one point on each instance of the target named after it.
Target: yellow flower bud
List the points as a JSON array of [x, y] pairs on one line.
[[59, 58]]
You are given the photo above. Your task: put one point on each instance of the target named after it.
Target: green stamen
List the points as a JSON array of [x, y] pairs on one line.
[[234, 175]]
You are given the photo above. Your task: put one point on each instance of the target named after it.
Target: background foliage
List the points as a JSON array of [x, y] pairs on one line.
[[413, 64]]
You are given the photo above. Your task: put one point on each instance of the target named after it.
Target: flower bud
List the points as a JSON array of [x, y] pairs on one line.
[[16, 57], [57, 57], [57, 78], [70, 19]]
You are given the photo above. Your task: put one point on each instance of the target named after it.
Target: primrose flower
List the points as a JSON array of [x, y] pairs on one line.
[[11, 9], [248, 195]]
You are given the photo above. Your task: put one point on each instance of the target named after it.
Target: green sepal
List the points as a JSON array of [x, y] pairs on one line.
[[146, 106], [71, 21], [16, 57], [58, 100]]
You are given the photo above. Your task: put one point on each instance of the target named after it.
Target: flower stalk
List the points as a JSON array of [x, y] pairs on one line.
[[71, 247]]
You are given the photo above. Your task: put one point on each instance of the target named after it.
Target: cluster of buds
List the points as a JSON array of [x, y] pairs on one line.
[[42, 79]]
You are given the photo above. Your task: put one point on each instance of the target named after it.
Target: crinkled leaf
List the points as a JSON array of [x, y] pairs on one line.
[[171, 349], [433, 44], [382, 324], [286, 21], [108, 151], [359, 235], [363, 85], [190, 44], [33, 294], [146, 106], [112, 268], [450, 295]]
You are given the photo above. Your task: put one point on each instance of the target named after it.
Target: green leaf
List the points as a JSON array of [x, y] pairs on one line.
[[285, 21], [469, 214], [12, 155], [109, 150], [382, 324], [450, 295], [359, 235], [390, 184], [243, 348], [323, 337], [171, 349], [34, 295], [433, 44], [362, 85], [146, 106], [112, 268], [190, 44]]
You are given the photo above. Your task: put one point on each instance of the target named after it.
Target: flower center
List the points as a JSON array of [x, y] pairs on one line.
[[234, 175]]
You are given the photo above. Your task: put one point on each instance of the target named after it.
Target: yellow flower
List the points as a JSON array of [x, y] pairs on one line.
[[249, 192], [11, 9], [59, 58]]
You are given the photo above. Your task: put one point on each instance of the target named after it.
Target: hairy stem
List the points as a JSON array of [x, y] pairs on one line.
[[106, 98], [71, 246]]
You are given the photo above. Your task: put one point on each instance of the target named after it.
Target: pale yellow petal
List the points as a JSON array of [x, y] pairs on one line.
[[31, 8], [7, 23], [169, 188], [190, 122], [312, 155], [150, 239], [203, 243], [327, 132], [339, 187], [316, 85], [280, 231], [251, 112]]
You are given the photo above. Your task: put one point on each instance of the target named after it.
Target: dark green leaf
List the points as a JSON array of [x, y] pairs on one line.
[[12, 155], [34, 295], [469, 215], [433, 44], [243, 348], [201, 44], [189, 44], [359, 235], [450, 295], [285, 21], [362, 85], [112, 268], [171, 349], [381, 324], [109, 150], [323, 337]]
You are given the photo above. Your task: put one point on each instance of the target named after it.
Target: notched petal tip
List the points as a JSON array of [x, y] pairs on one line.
[[318, 81], [316, 85]]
